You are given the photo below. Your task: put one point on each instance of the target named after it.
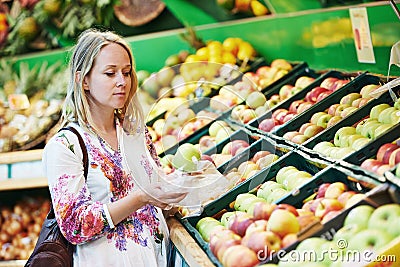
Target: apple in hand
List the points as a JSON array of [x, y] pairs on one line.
[[185, 157]]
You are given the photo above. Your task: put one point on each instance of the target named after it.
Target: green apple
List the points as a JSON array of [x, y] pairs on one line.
[[226, 218], [349, 98], [315, 117], [324, 120], [340, 108], [381, 130], [353, 138], [246, 204], [276, 195], [360, 143], [343, 152], [255, 99], [283, 172], [376, 110], [347, 232], [267, 188], [385, 115], [369, 239], [382, 216], [223, 134], [216, 126], [324, 147], [333, 121], [395, 117], [359, 216], [368, 129], [348, 111], [241, 198], [367, 89], [289, 182], [346, 130], [206, 226], [186, 157]]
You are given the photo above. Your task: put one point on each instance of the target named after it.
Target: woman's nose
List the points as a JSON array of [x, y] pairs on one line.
[[121, 80]]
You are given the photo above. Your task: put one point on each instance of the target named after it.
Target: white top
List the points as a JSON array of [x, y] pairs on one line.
[[80, 207]]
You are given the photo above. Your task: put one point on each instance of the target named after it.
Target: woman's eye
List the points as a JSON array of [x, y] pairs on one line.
[[127, 74], [109, 73]]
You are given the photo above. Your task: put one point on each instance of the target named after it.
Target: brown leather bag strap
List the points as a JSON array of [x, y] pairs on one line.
[[83, 147]]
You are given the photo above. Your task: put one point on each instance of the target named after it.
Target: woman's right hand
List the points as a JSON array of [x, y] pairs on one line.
[[155, 196]]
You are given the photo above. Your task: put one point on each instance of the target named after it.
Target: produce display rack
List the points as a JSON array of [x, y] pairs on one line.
[[21, 171]]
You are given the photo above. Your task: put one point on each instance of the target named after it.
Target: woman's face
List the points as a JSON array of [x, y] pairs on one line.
[[109, 81]]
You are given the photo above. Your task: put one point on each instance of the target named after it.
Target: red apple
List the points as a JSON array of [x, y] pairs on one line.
[[345, 196], [322, 189], [257, 226], [267, 125], [394, 157], [314, 93], [339, 84], [383, 168], [262, 242], [240, 222], [303, 107], [330, 215], [323, 95], [332, 109], [222, 239], [288, 117], [288, 240], [299, 139], [285, 91], [371, 164], [289, 135], [287, 207], [260, 154], [262, 210], [239, 255], [304, 126], [329, 83], [335, 189], [326, 205], [294, 105]]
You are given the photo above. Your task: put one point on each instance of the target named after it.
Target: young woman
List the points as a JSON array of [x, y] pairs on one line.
[[108, 217]]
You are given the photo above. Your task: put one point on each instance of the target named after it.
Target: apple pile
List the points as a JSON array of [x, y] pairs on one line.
[[364, 228], [349, 139], [256, 103], [321, 120], [234, 94], [330, 199], [266, 75], [387, 157], [244, 238], [20, 225], [261, 160], [286, 179], [179, 78], [177, 125], [281, 116]]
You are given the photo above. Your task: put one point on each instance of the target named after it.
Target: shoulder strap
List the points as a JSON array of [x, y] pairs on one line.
[[83, 147]]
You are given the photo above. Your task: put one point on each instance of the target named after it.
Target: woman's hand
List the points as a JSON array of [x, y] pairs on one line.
[[155, 196]]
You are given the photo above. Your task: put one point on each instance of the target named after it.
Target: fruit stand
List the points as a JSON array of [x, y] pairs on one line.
[[303, 148]]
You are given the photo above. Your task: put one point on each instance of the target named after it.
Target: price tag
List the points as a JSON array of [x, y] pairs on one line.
[[362, 35]]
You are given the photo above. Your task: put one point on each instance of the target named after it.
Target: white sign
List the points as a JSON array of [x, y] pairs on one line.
[[362, 35]]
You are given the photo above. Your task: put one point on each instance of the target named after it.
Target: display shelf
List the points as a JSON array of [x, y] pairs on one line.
[[21, 156], [18, 184], [186, 245]]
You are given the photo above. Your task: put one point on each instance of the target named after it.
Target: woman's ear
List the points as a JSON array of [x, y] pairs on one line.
[[78, 80]]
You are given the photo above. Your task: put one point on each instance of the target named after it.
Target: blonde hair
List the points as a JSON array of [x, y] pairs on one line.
[[76, 107]]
